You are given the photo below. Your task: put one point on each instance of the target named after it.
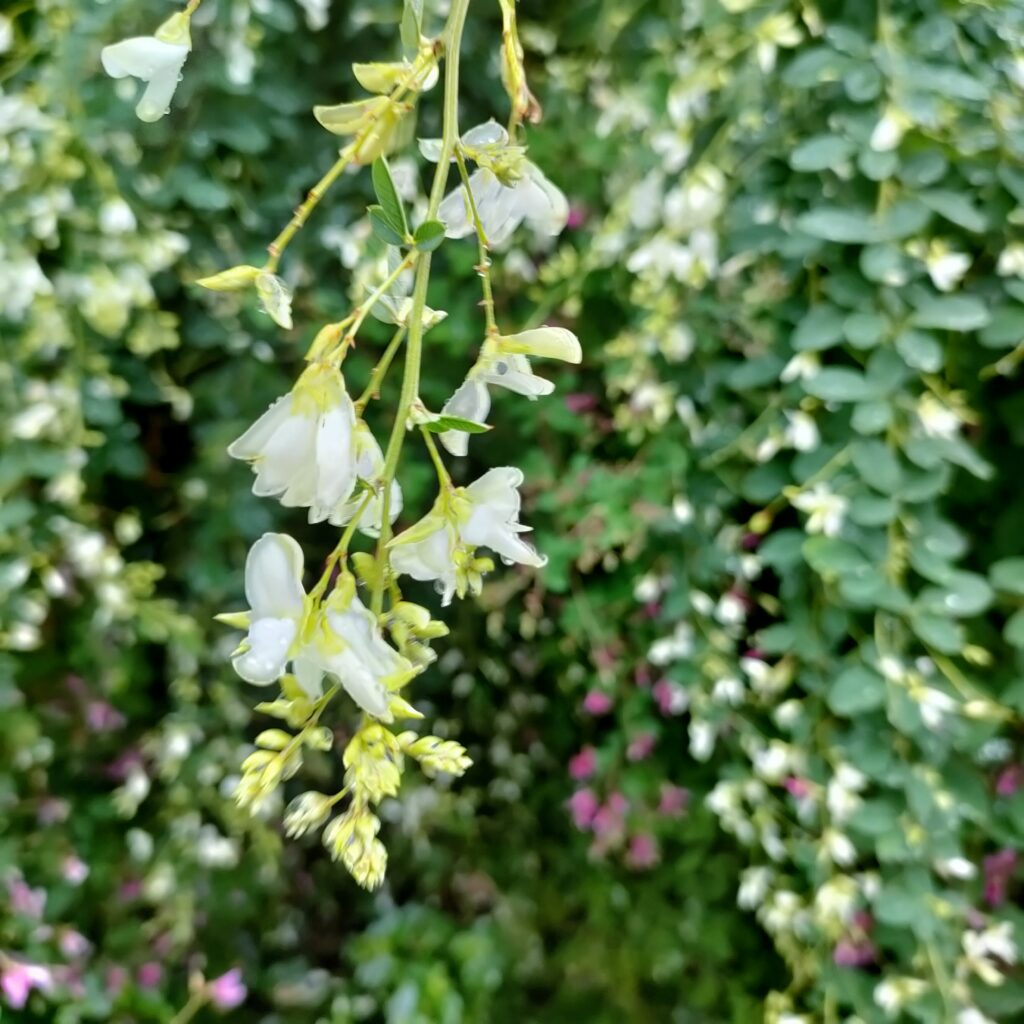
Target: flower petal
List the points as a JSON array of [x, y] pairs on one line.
[[269, 642], [273, 577]]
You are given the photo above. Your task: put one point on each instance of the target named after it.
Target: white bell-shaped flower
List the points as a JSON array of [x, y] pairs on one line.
[[505, 362], [303, 448], [273, 588], [442, 546], [369, 464], [156, 60], [351, 646], [531, 198]]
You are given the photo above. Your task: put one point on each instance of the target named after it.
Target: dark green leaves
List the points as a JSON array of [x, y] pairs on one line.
[[443, 423], [392, 212]]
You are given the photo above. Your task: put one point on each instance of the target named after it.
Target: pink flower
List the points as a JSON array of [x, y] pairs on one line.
[[642, 852], [583, 805], [999, 868], [640, 746], [674, 800], [584, 764], [1010, 779], [854, 953], [150, 975], [18, 979], [25, 900], [130, 890], [797, 787], [228, 991], [73, 944], [116, 979], [52, 811], [642, 676], [577, 218], [670, 697], [74, 870], [580, 402], [597, 703], [103, 717]]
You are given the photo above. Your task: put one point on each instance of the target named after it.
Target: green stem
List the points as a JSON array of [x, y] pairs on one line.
[[484, 266], [372, 390], [411, 378], [345, 157], [435, 456], [198, 999]]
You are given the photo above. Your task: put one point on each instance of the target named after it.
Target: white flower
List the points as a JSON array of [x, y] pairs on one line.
[[442, 545], [825, 510], [277, 602], [156, 60], [507, 189], [504, 361], [945, 268], [956, 867], [983, 949], [933, 704], [889, 131], [893, 994], [802, 432], [938, 420], [972, 1015], [754, 885], [345, 639], [1011, 261], [309, 450], [838, 847], [803, 366], [702, 740], [351, 646]]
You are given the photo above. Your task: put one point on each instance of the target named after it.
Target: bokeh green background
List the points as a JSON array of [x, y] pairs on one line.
[[730, 212]]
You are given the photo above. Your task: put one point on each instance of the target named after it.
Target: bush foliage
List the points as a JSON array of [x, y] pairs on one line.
[[749, 745]]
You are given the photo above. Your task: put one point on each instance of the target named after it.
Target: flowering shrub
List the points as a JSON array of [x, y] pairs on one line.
[[746, 746]]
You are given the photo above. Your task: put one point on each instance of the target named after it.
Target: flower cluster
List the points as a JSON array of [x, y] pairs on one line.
[[354, 631]]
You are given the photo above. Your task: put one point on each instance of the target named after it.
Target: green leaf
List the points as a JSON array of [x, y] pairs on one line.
[[865, 330], [856, 690], [919, 350], [964, 595], [955, 207], [429, 235], [1008, 575], [1005, 329], [443, 423], [839, 384], [820, 153], [1013, 631], [952, 313], [412, 25], [388, 197], [829, 556], [821, 328], [839, 224], [878, 465], [382, 227]]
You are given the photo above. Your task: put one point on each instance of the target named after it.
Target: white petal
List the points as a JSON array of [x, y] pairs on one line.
[[499, 488], [490, 133], [309, 674], [250, 445], [273, 577], [335, 458], [472, 401], [543, 205], [143, 57], [156, 100], [269, 642], [545, 342], [514, 373], [426, 559], [488, 528], [288, 454]]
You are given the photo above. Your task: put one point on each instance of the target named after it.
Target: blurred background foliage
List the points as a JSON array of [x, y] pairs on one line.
[[750, 745]]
